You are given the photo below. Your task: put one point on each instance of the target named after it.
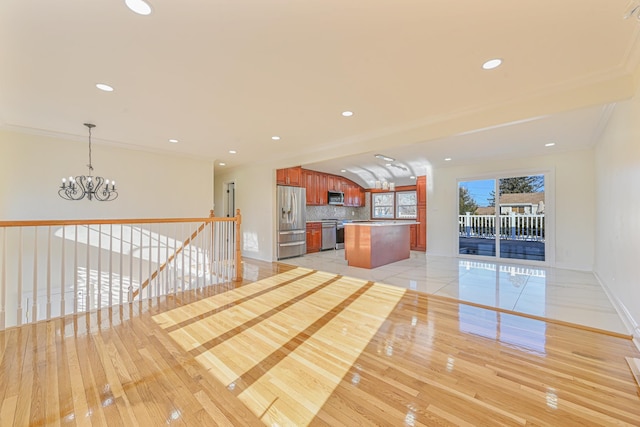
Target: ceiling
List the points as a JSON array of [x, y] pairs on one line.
[[228, 75]]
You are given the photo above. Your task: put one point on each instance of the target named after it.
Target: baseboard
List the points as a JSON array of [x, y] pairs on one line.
[[629, 322]]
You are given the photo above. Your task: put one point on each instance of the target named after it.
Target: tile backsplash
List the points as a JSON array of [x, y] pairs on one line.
[[315, 213]]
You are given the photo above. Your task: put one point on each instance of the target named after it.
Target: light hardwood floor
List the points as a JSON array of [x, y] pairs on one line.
[[297, 346]]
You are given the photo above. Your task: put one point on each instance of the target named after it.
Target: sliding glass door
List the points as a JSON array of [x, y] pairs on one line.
[[511, 225]]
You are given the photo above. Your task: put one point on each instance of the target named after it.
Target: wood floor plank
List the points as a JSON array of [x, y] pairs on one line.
[[302, 347]]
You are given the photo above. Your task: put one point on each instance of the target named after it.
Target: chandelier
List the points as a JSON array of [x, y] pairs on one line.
[[91, 187]]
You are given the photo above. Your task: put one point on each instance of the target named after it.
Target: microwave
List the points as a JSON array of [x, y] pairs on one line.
[[335, 198]]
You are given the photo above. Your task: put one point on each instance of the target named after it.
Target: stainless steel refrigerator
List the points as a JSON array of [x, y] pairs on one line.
[[292, 221]]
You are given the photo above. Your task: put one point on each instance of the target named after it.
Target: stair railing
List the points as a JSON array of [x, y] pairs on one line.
[[50, 269]]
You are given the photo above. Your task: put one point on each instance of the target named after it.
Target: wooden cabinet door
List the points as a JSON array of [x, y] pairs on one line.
[[314, 237], [321, 189], [421, 190], [317, 238], [421, 229], [412, 236], [295, 176], [331, 183], [309, 182], [289, 176]]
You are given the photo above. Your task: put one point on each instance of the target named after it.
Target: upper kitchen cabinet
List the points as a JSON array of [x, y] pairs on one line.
[[316, 185], [289, 176], [353, 195]]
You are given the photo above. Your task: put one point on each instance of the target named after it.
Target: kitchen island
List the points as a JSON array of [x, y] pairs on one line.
[[372, 244]]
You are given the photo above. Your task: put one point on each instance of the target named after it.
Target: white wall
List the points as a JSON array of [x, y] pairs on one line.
[[150, 185], [570, 189], [618, 209], [255, 197]]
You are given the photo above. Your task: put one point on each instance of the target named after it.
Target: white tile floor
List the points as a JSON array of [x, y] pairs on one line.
[[566, 295]]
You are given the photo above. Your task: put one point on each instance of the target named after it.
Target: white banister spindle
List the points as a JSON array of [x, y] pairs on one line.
[[63, 270], [175, 258], [198, 245], [150, 283], [34, 290], [88, 287], [75, 271], [99, 272], [140, 256], [3, 280], [20, 251], [167, 273], [49, 273], [182, 269], [158, 263], [130, 297], [190, 263], [120, 263], [110, 265]]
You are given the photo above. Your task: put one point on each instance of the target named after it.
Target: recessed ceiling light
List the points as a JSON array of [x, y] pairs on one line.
[[383, 157], [492, 63], [275, 137], [104, 87], [139, 6], [232, 151], [173, 141], [447, 159], [549, 144], [347, 113], [222, 164], [343, 170], [412, 177]]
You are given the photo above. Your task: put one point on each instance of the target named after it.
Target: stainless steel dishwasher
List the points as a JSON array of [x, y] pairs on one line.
[[328, 235]]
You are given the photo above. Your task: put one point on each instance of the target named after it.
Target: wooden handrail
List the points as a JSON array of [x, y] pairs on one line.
[[39, 223]]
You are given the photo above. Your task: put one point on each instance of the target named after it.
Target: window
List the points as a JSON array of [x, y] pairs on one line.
[[394, 205], [382, 205], [406, 205]]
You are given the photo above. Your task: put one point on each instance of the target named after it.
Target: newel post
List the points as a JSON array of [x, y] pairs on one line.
[[238, 272]]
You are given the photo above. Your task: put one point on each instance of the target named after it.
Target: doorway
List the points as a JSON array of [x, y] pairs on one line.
[[503, 217], [230, 200]]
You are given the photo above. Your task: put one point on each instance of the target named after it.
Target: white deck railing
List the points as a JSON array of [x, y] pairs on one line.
[[50, 269], [512, 227]]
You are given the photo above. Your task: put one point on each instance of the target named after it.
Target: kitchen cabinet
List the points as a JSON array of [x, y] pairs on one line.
[[421, 227], [289, 176], [314, 237], [421, 189], [308, 182], [318, 184], [322, 188], [412, 236]]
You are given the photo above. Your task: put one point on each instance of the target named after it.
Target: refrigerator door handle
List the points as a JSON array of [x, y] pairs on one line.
[[293, 232]]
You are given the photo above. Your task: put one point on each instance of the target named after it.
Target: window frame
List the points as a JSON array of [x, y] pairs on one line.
[[394, 205]]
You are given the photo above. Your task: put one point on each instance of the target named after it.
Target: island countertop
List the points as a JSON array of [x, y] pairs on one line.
[[381, 223]]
